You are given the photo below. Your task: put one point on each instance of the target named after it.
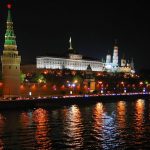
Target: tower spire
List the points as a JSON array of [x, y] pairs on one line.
[[132, 66], [115, 54], [123, 56], [71, 50], [9, 19], [70, 44], [116, 42], [123, 61], [10, 38]]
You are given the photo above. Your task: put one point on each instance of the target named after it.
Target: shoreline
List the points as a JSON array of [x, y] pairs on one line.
[[64, 101]]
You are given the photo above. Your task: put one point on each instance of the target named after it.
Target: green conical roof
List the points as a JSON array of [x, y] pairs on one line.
[[10, 38], [9, 19]]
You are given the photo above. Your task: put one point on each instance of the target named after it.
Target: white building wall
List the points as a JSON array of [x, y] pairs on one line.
[[60, 63]]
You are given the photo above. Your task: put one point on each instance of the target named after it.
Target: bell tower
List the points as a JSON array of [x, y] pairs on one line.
[[10, 61], [115, 55]]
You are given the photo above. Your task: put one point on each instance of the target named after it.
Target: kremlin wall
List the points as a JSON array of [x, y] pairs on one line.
[[71, 73]]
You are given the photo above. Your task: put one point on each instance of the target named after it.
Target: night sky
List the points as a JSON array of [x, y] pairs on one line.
[[45, 27]]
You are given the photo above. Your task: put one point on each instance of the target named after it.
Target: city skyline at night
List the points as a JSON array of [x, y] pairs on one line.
[[74, 75], [45, 28]]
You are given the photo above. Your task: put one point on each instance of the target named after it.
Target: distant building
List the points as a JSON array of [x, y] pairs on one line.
[[113, 65], [71, 60], [75, 61]]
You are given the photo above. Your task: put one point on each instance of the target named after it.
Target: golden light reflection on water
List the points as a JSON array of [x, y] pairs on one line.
[[73, 126], [40, 117], [2, 123], [101, 126], [139, 107], [25, 119], [97, 116], [64, 112], [139, 117], [121, 114], [1, 144]]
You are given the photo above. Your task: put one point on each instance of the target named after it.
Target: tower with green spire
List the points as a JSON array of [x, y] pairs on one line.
[[10, 61]]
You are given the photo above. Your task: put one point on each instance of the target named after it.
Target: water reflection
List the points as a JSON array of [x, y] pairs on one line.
[[106, 125], [2, 123], [121, 114], [97, 116], [40, 117], [139, 107], [25, 119], [139, 117], [73, 127]]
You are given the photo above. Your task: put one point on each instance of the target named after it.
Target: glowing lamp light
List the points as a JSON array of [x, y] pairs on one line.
[[141, 83], [100, 82], [122, 82], [73, 85], [9, 6], [45, 72], [75, 81], [30, 93], [1, 84]]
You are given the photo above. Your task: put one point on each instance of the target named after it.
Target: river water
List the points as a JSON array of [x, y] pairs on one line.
[[112, 125]]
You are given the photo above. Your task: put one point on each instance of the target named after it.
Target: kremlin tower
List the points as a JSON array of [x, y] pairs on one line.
[[108, 58], [123, 61], [10, 61], [115, 55], [114, 66]]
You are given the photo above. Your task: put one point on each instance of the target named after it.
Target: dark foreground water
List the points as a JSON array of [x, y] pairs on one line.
[[113, 125]]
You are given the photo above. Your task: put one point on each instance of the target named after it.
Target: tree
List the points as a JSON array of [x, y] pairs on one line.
[[39, 78], [22, 77], [78, 78]]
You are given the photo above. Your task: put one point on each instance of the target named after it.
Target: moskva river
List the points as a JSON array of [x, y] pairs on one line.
[[111, 125]]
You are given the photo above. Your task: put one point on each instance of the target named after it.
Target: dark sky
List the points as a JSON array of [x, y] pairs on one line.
[[45, 26]]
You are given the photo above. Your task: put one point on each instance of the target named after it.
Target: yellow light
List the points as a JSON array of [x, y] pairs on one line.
[[122, 82], [40, 80], [75, 81]]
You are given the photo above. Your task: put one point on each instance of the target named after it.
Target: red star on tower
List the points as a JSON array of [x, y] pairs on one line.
[[9, 6]]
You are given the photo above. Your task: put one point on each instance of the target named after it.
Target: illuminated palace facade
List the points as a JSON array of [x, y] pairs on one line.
[[75, 61], [72, 61]]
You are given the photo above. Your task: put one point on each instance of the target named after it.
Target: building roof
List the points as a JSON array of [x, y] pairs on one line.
[[66, 55]]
